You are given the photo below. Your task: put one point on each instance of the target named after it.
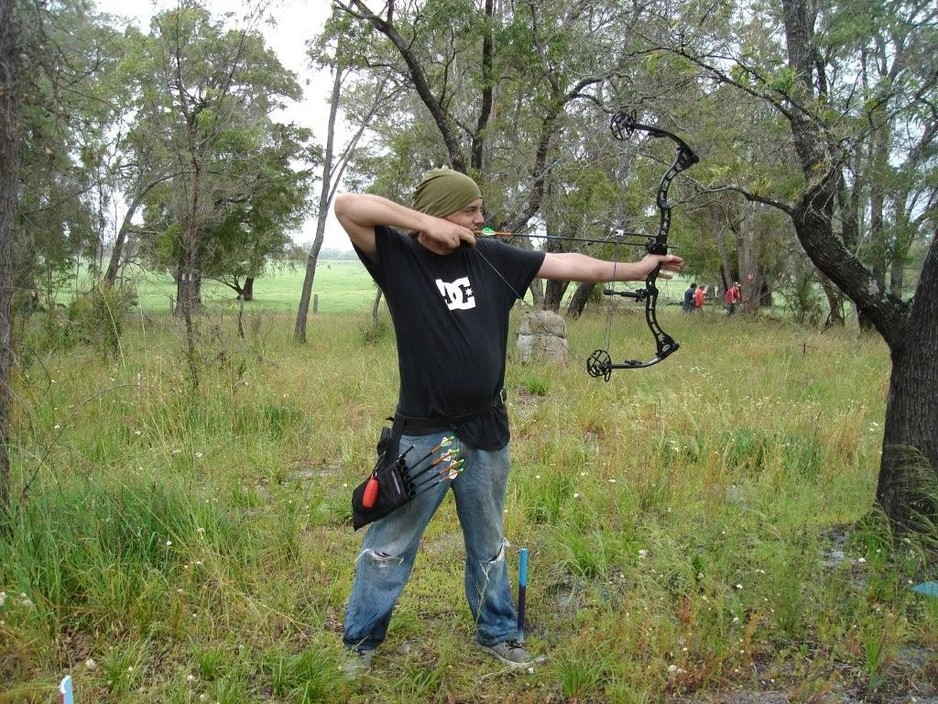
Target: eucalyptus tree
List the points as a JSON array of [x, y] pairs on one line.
[[259, 198], [338, 48], [50, 58], [206, 95], [68, 111], [13, 15], [498, 82], [844, 123]]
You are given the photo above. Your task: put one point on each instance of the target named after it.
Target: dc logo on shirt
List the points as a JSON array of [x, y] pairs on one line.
[[458, 294]]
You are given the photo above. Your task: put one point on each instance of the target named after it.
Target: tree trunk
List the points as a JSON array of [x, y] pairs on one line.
[[579, 298], [908, 472], [537, 293], [725, 263], [835, 299], [10, 156], [750, 270], [554, 292], [897, 276], [877, 251], [188, 292], [299, 327], [113, 267], [247, 291]]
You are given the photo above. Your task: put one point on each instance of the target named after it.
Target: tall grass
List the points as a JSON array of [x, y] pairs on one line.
[[706, 524]]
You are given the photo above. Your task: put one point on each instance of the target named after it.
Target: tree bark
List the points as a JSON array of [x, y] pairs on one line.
[[750, 271], [909, 468], [835, 315], [10, 158], [725, 263]]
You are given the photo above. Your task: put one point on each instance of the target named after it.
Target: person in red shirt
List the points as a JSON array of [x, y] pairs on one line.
[[732, 296], [699, 296]]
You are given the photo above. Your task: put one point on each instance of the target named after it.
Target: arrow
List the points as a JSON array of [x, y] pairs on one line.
[[615, 239]]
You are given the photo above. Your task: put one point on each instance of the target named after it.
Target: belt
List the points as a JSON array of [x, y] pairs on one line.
[[412, 425]]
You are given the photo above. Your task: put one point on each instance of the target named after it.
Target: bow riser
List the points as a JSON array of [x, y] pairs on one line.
[[600, 363]]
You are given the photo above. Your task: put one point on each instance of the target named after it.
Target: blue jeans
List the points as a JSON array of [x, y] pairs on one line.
[[390, 547]]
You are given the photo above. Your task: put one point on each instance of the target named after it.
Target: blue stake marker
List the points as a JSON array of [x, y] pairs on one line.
[[522, 589], [926, 588], [66, 696]]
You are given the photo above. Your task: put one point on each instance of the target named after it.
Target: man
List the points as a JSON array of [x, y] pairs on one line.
[[688, 305], [699, 296], [449, 296], [732, 295]]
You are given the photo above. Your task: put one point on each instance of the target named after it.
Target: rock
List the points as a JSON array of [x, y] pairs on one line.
[[542, 335]]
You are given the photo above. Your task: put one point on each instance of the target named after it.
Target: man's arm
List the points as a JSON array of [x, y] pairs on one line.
[[360, 213], [579, 267]]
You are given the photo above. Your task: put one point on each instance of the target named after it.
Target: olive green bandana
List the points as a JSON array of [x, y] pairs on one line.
[[443, 191]]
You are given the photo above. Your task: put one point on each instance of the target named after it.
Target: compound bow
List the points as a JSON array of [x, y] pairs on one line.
[[599, 363]]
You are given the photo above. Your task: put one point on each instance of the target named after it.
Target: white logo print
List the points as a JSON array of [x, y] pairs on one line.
[[458, 294]]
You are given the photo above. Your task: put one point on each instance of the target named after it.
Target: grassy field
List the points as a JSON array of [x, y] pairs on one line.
[[341, 286], [703, 530]]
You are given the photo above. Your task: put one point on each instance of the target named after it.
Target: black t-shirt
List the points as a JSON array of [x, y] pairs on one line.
[[450, 315]]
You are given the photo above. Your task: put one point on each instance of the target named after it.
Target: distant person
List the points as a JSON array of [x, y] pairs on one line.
[[732, 296], [699, 295], [688, 304]]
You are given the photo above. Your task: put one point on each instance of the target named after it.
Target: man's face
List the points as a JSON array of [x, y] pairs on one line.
[[471, 216]]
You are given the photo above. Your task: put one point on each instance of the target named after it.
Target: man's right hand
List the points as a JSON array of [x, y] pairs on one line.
[[443, 236]]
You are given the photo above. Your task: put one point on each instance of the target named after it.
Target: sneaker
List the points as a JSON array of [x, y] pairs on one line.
[[511, 652], [357, 662]]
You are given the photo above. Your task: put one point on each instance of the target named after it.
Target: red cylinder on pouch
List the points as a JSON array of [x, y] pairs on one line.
[[370, 494]]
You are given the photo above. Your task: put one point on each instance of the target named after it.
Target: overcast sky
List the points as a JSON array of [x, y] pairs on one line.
[[295, 22]]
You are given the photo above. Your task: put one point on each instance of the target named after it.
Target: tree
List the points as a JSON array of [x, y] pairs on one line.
[[500, 85], [49, 56], [205, 98], [12, 46], [831, 125], [342, 58], [66, 113]]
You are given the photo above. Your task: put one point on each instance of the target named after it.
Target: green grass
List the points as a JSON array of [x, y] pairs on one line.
[[701, 526], [342, 286]]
